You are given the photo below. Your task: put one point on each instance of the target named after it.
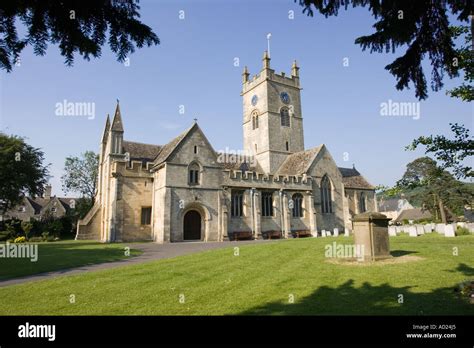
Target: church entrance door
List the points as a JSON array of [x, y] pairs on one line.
[[192, 225]]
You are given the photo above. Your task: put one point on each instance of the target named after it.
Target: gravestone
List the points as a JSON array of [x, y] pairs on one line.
[[370, 230], [470, 227], [328, 234], [412, 232], [420, 230], [346, 232], [323, 233], [449, 230], [440, 228], [428, 228], [336, 232], [392, 231]]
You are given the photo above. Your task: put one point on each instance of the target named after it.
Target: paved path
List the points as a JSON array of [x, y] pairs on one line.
[[151, 251]]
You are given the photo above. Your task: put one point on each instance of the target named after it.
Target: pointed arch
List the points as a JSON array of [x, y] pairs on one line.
[[254, 117], [326, 195], [285, 117]]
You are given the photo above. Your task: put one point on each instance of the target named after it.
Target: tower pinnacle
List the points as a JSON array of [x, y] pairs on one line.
[[266, 60]]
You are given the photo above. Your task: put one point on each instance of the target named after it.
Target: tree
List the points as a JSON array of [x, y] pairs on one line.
[[466, 63], [450, 152], [422, 26], [437, 189], [21, 171], [76, 26], [81, 174]]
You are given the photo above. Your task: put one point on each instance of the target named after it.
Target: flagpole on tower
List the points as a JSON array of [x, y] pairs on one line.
[[269, 35]]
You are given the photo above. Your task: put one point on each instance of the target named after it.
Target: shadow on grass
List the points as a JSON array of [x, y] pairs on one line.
[[61, 257], [368, 299], [398, 253], [465, 269]]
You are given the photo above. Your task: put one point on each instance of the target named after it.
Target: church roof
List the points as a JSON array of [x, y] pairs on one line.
[[168, 149], [299, 162], [351, 178], [229, 162], [141, 151]]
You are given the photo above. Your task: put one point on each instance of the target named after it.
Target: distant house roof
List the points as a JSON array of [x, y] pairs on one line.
[[414, 214], [299, 163], [351, 178], [141, 151]]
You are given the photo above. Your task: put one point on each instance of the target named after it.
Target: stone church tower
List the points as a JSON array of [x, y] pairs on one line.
[[272, 118]]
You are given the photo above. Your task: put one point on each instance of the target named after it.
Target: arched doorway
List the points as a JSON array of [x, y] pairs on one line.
[[192, 225]]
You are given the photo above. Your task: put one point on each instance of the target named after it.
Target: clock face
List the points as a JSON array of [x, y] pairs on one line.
[[254, 100], [285, 98]]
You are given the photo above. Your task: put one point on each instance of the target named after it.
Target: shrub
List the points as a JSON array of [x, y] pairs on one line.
[[35, 239], [45, 236], [20, 240], [462, 231], [26, 227], [4, 235]]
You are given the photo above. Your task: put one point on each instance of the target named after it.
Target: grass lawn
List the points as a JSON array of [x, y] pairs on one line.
[[262, 280], [62, 255]]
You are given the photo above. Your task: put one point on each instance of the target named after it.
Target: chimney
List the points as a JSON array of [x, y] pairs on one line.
[[47, 192]]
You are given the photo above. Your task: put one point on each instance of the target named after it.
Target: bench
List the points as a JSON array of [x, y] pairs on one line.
[[271, 234], [301, 233], [242, 235]]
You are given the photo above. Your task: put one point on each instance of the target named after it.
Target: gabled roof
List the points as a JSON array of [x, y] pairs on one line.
[[117, 124], [37, 203], [66, 201], [351, 178], [227, 162], [141, 151], [168, 149], [414, 214], [299, 162]]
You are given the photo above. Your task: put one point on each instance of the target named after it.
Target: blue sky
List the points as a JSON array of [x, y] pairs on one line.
[[194, 66]]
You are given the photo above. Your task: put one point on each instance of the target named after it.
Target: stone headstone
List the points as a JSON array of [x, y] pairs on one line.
[[392, 231], [323, 233], [461, 224], [336, 232], [420, 230], [470, 227], [328, 233], [449, 230], [412, 232], [428, 228], [346, 232], [440, 228]]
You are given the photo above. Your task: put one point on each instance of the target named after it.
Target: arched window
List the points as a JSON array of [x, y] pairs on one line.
[[362, 207], [297, 205], [326, 198], [237, 199], [254, 120], [193, 174], [267, 203], [285, 117]]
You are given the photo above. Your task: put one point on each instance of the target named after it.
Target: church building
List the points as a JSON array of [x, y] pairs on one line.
[[186, 191]]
